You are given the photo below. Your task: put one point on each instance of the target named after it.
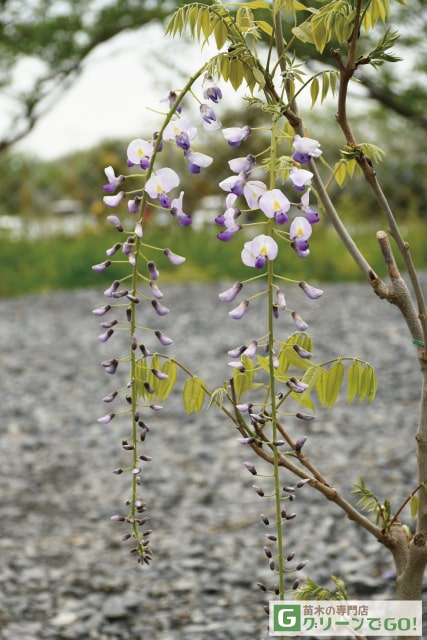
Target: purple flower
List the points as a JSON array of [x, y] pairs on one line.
[[242, 165], [312, 216], [164, 340], [233, 184], [173, 258], [101, 266], [113, 181], [181, 131], [250, 350], [256, 252], [134, 206], [170, 99], [106, 419], [228, 220], [305, 148], [115, 221], [280, 298], [236, 135], [114, 201], [300, 178], [152, 270], [274, 203], [160, 309], [100, 311], [252, 191], [231, 294], [196, 160], [176, 210], [139, 152], [299, 322], [300, 231], [156, 291], [310, 292], [239, 311], [209, 119], [160, 183], [210, 90]]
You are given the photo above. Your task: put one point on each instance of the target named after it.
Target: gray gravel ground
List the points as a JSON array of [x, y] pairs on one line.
[[65, 575]]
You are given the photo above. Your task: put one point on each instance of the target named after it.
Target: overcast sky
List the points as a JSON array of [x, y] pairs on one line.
[[122, 80]]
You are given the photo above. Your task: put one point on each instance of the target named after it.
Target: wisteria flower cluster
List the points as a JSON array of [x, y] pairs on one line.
[[149, 380]]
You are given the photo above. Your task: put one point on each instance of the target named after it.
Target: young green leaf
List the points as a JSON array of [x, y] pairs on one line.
[[334, 382], [193, 394]]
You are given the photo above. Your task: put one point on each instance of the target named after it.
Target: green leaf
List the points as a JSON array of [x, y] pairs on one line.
[[354, 372], [193, 394], [243, 380], [310, 377], [265, 27], [257, 4], [304, 32], [334, 382], [321, 387], [413, 503], [340, 172], [314, 91], [236, 73], [367, 384], [164, 387]]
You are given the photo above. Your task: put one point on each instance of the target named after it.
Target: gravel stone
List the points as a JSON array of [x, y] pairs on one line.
[[64, 573]]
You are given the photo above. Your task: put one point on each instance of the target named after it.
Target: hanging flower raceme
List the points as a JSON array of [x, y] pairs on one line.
[[159, 185], [305, 149], [256, 252]]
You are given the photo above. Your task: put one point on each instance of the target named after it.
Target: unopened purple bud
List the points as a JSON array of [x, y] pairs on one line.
[[239, 366], [101, 266], [296, 385], [304, 416], [250, 350], [120, 294], [148, 388], [237, 352], [159, 308], [239, 311], [290, 516], [280, 297], [250, 467], [134, 205], [267, 552], [258, 490], [103, 337], [290, 556], [128, 314], [101, 310], [136, 471], [106, 419], [110, 366], [156, 291], [300, 443], [164, 340], [139, 231], [159, 374], [302, 483], [301, 565], [173, 257], [296, 584], [276, 311], [264, 518], [132, 298], [299, 322], [272, 565], [278, 443], [113, 249], [244, 408], [152, 269], [118, 518], [261, 586], [156, 407], [108, 293], [230, 294], [108, 325], [249, 440], [115, 221], [118, 471], [310, 292], [302, 352], [146, 458], [271, 537], [110, 397]]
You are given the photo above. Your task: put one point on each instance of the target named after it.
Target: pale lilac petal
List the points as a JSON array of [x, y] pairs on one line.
[[300, 229], [174, 258], [231, 294], [252, 191], [239, 311], [300, 178], [114, 201], [310, 292], [273, 202]]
